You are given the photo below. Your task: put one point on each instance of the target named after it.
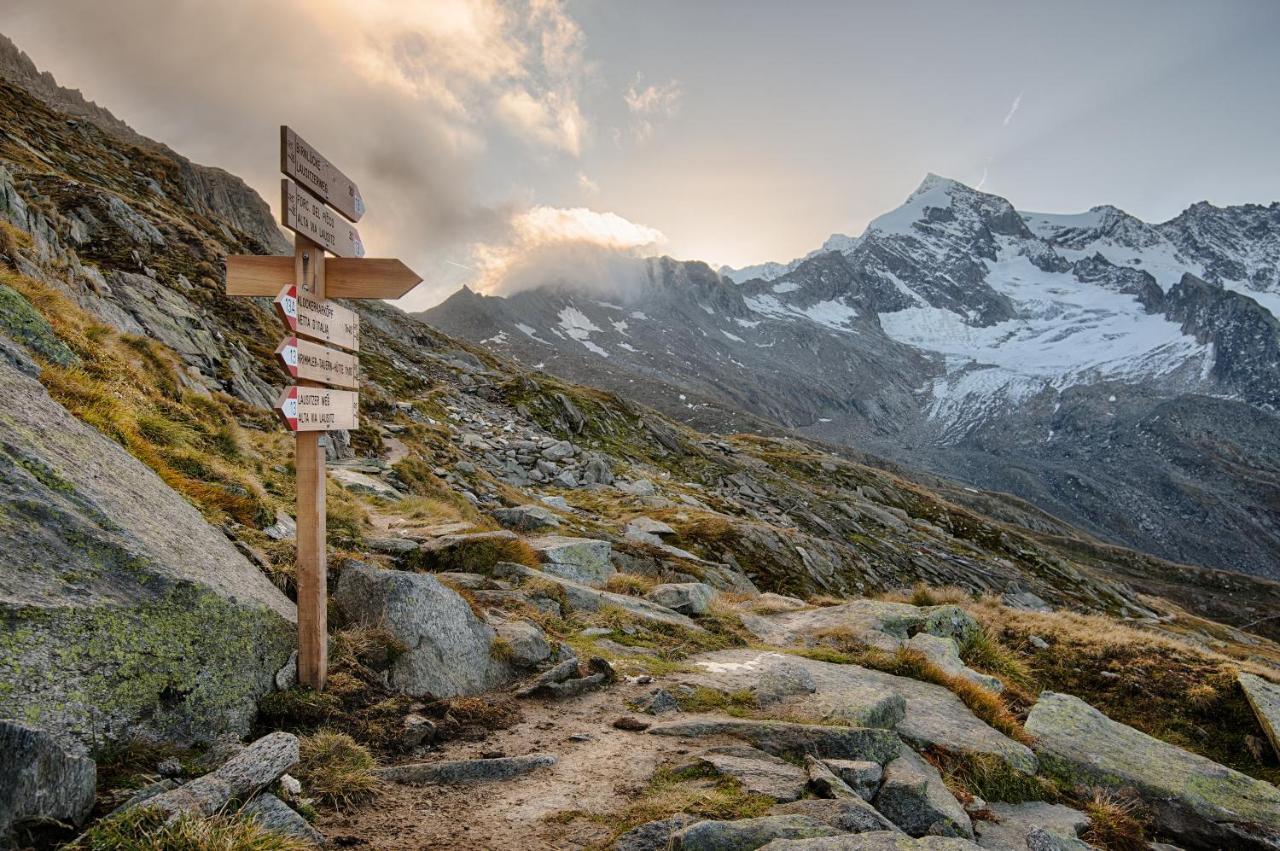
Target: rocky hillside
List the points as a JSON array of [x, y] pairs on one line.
[[1079, 362], [559, 619]]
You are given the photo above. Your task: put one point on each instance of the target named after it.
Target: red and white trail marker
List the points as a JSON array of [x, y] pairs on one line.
[[319, 319], [319, 409], [310, 361]]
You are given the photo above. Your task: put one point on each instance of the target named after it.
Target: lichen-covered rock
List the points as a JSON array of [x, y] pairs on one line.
[[526, 518], [850, 815], [122, 612], [879, 624], [687, 598], [757, 771], [1264, 697], [526, 643], [582, 560], [747, 834], [862, 776], [1199, 802], [922, 713], [914, 798], [275, 816], [877, 841], [40, 781], [448, 648], [782, 738], [654, 835], [238, 779], [783, 679], [1014, 824], [589, 599]]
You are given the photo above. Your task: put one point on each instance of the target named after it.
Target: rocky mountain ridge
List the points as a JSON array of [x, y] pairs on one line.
[[982, 343]]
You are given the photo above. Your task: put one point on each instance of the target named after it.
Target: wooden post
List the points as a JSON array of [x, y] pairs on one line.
[[309, 464], [312, 406]]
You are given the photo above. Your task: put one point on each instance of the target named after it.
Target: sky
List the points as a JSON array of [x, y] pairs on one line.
[[504, 141]]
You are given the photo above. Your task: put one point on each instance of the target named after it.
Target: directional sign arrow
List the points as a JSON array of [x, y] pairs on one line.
[[319, 409], [319, 319], [305, 215], [313, 362], [318, 176], [345, 277]]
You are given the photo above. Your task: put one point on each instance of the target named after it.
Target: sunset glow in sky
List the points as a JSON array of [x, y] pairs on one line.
[[736, 133]]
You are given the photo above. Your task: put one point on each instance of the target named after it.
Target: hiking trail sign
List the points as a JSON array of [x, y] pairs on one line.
[[319, 349]]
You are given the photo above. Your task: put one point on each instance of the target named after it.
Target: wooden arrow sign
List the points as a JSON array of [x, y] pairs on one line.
[[310, 361], [345, 277], [317, 175], [307, 216], [319, 319], [319, 409]]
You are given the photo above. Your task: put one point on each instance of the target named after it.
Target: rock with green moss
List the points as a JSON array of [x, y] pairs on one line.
[[747, 833], [1264, 698], [875, 623], [879, 840], [1197, 801], [122, 612], [22, 323]]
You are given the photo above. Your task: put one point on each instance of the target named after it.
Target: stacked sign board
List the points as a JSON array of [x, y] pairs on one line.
[[319, 350]]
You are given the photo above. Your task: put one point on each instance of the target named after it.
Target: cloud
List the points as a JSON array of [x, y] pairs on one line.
[[587, 184], [403, 95], [648, 104], [565, 245], [1013, 110]]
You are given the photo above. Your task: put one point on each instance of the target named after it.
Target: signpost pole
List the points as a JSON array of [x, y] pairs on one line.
[[309, 465]]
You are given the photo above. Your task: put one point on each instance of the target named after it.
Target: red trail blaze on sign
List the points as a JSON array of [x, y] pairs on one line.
[[319, 409]]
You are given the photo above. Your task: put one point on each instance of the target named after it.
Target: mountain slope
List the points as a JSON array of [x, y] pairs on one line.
[[1073, 360]]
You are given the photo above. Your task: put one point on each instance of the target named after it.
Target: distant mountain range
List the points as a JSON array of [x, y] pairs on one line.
[[1124, 376]]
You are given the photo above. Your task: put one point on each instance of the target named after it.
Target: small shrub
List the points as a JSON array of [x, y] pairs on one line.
[[335, 769], [144, 829]]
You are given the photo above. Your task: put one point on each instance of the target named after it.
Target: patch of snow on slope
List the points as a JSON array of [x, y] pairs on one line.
[[577, 325], [530, 332], [733, 337], [786, 287], [620, 327], [833, 314]]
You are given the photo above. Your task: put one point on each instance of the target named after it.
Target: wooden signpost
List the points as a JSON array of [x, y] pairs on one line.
[[302, 287]]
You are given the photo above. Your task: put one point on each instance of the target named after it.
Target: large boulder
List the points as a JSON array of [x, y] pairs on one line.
[[1015, 823], [879, 840], [582, 560], [687, 598], [41, 782], [883, 625], [1264, 698], [1199, 802], [758, 772], [448, 648], [122, 612], [914, 798], [787, 739], [922, 713]]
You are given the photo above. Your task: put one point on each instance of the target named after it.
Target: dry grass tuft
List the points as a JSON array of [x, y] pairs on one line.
[[921, 594], [481, 714], [1116, 822], [630, 584], [144, 829], [336, 769]]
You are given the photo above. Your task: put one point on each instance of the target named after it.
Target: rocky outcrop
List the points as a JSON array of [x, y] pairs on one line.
[[240, 778], [41, 782], [122, 612], [914, 798], [448, 649], [1014, 823], [876, 841], [466, 770], [747, 833], [1264, 698], [581, 560], [922, 713], [759, 772], [1199, 802], [687, 598], [782, 738]]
